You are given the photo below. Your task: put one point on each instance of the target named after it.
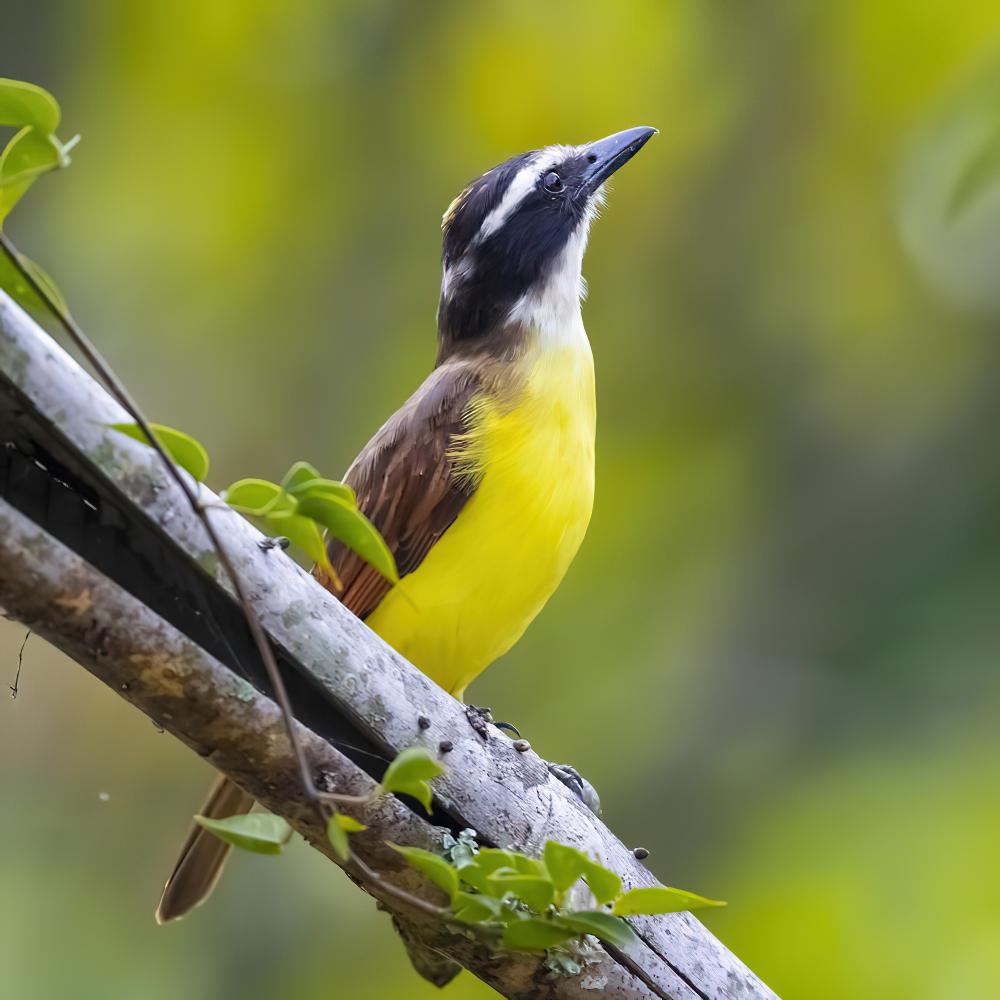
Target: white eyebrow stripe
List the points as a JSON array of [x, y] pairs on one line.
[[519, 188]]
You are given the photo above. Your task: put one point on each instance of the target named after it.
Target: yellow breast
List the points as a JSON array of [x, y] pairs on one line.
[[492, 571]]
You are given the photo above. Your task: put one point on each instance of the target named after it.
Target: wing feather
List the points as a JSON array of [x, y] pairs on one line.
[[406, 483]]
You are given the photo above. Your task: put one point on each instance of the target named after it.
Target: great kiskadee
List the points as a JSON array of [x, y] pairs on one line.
[[482, 482]]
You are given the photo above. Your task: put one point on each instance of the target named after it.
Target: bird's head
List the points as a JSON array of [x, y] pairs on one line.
[[514, 242]]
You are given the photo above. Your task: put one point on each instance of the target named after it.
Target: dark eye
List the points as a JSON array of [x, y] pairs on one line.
[[552, 182]]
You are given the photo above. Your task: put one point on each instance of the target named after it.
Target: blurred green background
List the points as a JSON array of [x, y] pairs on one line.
[[775, 655]]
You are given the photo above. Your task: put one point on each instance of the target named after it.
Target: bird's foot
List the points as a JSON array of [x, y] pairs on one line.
[[479, 718], [579, 785]]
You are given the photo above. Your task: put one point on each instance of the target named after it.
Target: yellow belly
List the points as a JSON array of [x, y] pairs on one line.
[[492, 571]]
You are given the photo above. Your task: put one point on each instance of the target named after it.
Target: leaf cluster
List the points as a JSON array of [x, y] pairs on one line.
[[35, 148], [32, 151], [525, 898], [520, 899], [409, 773], [300, 508]]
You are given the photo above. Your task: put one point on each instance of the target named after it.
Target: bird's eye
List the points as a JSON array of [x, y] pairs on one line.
[[552, 182]]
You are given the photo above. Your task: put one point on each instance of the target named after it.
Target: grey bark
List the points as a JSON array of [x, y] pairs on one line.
[[48, 403]]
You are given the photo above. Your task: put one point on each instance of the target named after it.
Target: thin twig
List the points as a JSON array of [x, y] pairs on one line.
[[20, 663], [117, 389], [344, 800]]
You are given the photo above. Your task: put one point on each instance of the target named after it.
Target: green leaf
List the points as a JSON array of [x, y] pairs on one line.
[[661, 900], [303, 480], [410, 773], [337, 829], [602, 925], [27, 104], [188, 453], [979, 174], [349, 823], [253, 496], [27, 156], [337, 836], [19, 289], [301, 531], [442, 874], [474, 875], [323, 488], [565, 864], [535, 890], [473, 908], [603, 883], [533, 934], [489, 860], [347, 524], [44, 281], [299, 473], [261, 833], [493, 858]]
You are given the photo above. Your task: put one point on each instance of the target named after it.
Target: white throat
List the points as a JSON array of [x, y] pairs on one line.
[[551, 310]]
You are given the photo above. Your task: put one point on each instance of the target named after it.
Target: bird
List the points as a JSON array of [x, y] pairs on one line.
[[482, 482]]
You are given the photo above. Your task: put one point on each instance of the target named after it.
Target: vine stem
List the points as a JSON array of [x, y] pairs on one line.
[[117, 389]]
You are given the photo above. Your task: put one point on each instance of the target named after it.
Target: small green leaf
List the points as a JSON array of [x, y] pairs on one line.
[[474, 875], [413, 763], [473, 908], [565, 864], [27, 156], [188, 453], [262, 833], [301, 531], [533, 934], [493, 858], [478, 869], [535, 890], [337, 829], [44, 281], [323, 488], [300, 472], [410, 773], [661, 900], [27, 104], [442, 874], [349, 823], [337, 836], [19, 289], [602, 882], [253, 496], [602, 925], [303, 480], [347, 524]]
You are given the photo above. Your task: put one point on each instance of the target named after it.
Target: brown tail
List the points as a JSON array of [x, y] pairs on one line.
[[200, 863]]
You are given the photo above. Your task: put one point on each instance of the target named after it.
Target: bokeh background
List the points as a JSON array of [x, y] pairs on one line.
[[776, 655]]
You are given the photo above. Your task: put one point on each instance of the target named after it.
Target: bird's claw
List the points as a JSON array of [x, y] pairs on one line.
[[578, 785], [479, 718]]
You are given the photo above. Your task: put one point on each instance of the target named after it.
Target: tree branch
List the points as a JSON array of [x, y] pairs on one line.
[[101, 555]]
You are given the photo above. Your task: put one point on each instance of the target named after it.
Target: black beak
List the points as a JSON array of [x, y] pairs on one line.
[[605, 156]]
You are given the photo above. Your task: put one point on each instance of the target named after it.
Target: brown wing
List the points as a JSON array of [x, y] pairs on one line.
[[406, 484]]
